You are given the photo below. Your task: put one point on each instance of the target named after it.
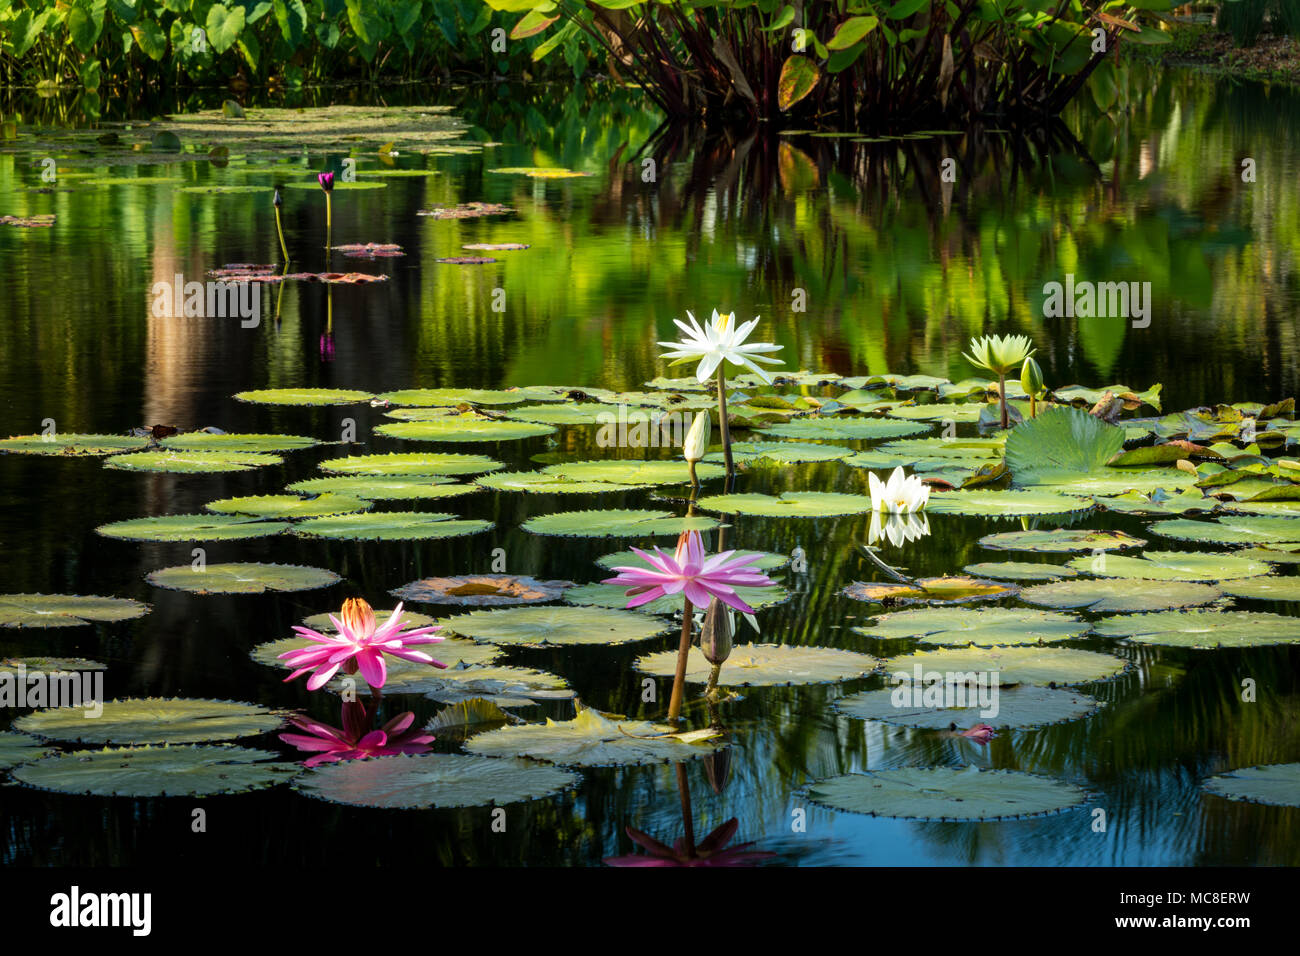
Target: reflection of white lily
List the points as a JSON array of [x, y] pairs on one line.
[[721, 339], [900, 495], [899, 529]]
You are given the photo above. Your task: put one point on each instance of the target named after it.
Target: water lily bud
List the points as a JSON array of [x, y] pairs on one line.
[[326, 181], [276, 200], [1031, 378], [716, 633], [697, 439]]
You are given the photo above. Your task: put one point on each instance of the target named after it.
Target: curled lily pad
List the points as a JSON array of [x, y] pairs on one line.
[[288, 507], [1005, 504], [390, 526], [209, 527], [791, 504], [836, 428], [1025, 664], [633, 473], [304, 396], [227, 442], [1264, 588], [986, 627], [482, 590], [425, 781], [468, 427], [615, 523], [1118, 595], [65, 610], [948, 589], [1232, 530], [141, 720], [1019, 571], [467, 396], [946, 793], [592, 739], [615, 595], [1013, 707], [241, 578], [540, 626], [1170, 566], [765, 665], [781, 452], [20, 748], [195, 771], [191, 462], [1202, 629], [1060, 540], [1277, 784], [72, 445], [448, 463], [377, 488]]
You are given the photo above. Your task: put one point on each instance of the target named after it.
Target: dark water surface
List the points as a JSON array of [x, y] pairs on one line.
[[899, 270]]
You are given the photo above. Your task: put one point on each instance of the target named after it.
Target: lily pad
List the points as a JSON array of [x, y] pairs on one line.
[[1061, 540], [949, 589], [321, 622], [791, 504], [1265, 588], [157, 771], [469, 427], [1231, 530], [1202, 629], [191, 528], [304, 396], [1171, 566], [542, 626], [289, 507], [469, 210], [65, 610], [595, 413], [632, 473], [226, 442], [448, 463], [1060, 445], [593, 740], [482, 590], [1005, 504], [766, 665], [390, 526], [340, 185], [539, 172], [545, 483], [781, 452], [501, 686], [1026, 664], [615, 523], [855, 428], [1273, 555], [1018, 707], [1277, 784], [1159, 503], [1118, 595], [191, 462], [20, 748], [141, 720], [986, 627], [946, 793], [1019, 571], [417, 397], [376, 488], [241, 578], [72, 445]]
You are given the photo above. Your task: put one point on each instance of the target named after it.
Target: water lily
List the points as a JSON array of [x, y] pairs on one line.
[[980, 733], [277, 201], [711, 851], [358, 645], [326, 181], [692, 573], [356, 740], [900, 495], [1000, 354], [899, 529], [697, 442], [1031, 380]]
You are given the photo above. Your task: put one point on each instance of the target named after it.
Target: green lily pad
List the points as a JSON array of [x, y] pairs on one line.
[[425, 781], [226, 442], [594, 413], [615, 523], [1061, 540], [1005, 504], [544, 483], [542, 626], [132, 181], [1025, 664], [499, 685], [1265, 588], [1018, 707], [339, 185], [1273, 555], [157, 771], [1060, 445], [1229, 530], [288, 507], [780, 452], [469, 427], [977, 448], [20, 748], [949, 589], [1202, 629], [592, 740], [321, 622], [416, 397], [390, 526], [986, 627], [1277, 784], [635, 473], [1170, 566], [1119, 595], [765, 665], [191, 528], [768, 561], [946, 793], [615, 595], [304, 396], [1019, 571], [65, 610], [1133, 502], [152, 721], [791, 504], [241, 578], [72, 445], [539, 172], [191, 462], [855, 428], [405, 465], [376, 488]]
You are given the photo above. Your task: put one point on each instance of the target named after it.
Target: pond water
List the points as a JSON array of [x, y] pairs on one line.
[[899, 270]]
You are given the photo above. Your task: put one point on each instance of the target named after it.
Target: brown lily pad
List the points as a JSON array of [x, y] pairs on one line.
[[466, 260], [497, 246], [482, 590], [467, 210], [370, 250], [253, 273], [28, 222], [949, 589]]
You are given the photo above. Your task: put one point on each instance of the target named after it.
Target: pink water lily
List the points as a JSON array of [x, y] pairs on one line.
[[692, 572], [980, 733], [326, 181], [358, 645], [711, 851], [356, 740]]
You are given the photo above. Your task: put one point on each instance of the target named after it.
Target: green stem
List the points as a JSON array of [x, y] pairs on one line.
[[329, 225], [722, 422], [279, 230], [1002, 397]]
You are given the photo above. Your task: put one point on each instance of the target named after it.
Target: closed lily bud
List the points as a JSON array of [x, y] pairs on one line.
[[1031, 378], [276, 200], [716, 633], [697, 439]]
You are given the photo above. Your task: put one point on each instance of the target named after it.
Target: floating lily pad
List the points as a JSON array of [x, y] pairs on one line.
[[946, 793], [858, 428], [376, 488], [1229, 530], [288, 507], [632, 473], [469, 427], [539, 172], [1170, 566], [496, 246], [1265, 588], [1118, 595], [304, 396], [545, 483], [949, 589], [72, 445], [1017, 707], [226, 442], [615, 523], [766, 665], [781, 452], [1202, 629], [593, 413], [191, 528], [466, 260], [1005, 504], [417, 397], [20, 748], [615, 595], [791, 504], [191, 462], [501, 686], [65, 610], [768, 561], [157, 771], [1276, 784], [1061, 540], [986, 627], [219, 189], [482, 590], [1019, 571], [141, 720], [1273, 555], [390, 526], [133, 181], [53, 664], [339, 185], [241, 578], [448, 463], [1025, 664], [593, 740], [1188, 500], [469, 210], [541, 626]]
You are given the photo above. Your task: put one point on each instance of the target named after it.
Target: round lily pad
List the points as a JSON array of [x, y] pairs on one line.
[[1273, 554], [949, 589], [1061, 540], [946, 793], [152, 721], [539, 172], [540, 626], [228, 442], [592, 739], [765, 665], [376, 488], [157, 771], [1118, 595], [856, 428], [781, 452], [191, 462], [1202, 629], [791, 504], [615, 523], [499, 685], [425, 781], [416, 397], [1026, 664], [632, 472], [544, 483], [986, 627], [1170, 566], [1277, 784], [463, 428], [289, 507], [241, 578], [1232, 530], [390, 526], [592, 413], [448, 463], [65, 610], [1019, 571], [304, 396], [482, 590], [20, 748], [1264, 588], [191, 528], [72, 445], [1004, 504], [1017, 707]]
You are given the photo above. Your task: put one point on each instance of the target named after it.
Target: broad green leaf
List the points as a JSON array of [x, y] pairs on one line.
[[65, 610], [191, 528], [985, 627], [191, 462], [1202, 629], [425, 781], [195, 771], [289, 507], [615, 523], [947, 793], [765, 665], [241, 578], [1117, 595], [1059, 541], [799, 75], [71, 445], [405, 465], [1018, 707], [1025, 664], [1171, 566], [1277, 784], [304, 396], [152, 721], [541, 626], [592, 739], [791, 504], [390, 526]]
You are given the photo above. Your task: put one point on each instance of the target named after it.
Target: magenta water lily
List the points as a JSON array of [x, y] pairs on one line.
[[356, 740], [692, 573]]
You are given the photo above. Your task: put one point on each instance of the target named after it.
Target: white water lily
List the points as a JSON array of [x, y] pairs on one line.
[[900, 495], [720, 340], [899, 529], [697, 439]]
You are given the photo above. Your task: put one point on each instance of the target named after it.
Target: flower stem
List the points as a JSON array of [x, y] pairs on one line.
[[279, 230], [329, 222], [683, 650], [1002, 396], [722, 422], [695, 482]]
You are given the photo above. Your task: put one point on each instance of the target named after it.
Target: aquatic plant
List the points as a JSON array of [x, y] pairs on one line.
[[277, 201], [326, 181], [1000, 354], [357, 739], [1031, 380], [697, 443], [358, 645], [900, 495]]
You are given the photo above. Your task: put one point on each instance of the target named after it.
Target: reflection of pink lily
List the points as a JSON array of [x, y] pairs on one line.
[[327, 347], [980, 733], [711, 851], [356, 740]]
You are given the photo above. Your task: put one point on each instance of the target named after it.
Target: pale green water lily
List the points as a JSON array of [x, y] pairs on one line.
[[720, 340], [1031, 380], [1000, 354], [697, 439], [902, 494]]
